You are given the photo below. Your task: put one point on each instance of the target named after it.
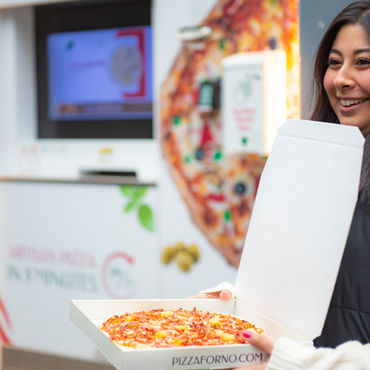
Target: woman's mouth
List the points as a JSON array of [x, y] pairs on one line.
[[350, 102]]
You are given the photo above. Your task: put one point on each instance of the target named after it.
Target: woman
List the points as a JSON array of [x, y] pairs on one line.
[[342, 76], [342, 81]]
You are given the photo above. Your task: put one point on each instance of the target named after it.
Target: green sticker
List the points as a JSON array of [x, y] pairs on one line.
[[145, 215]]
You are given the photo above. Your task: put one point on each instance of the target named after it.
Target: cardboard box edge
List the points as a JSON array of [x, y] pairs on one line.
[[91, 331]]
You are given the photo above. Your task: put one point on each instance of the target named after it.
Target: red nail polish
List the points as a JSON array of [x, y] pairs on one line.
[[247, 334]]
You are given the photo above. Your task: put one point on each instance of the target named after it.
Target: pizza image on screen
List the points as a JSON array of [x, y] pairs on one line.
[[219, 190], [126, 66]]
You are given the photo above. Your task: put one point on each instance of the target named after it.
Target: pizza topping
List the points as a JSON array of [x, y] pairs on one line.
[[240, 188], [210, 217], [176, 120], [219, 197], [199, 154], [243, 208], [272, 42], [207, 136], [218, 155], [173, 328]]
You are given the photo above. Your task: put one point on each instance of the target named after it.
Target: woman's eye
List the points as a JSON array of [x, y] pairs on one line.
[[363, 62], [333, 62]]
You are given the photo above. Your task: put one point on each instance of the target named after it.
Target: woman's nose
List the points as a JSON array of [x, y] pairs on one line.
[[344, 79]]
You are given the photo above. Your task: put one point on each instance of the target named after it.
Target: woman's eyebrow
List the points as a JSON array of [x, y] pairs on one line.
[[363, 50], [358, 51], [335, 51]]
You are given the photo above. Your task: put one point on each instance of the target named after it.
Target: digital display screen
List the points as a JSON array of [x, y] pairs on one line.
[[94, 64], [103, 74]]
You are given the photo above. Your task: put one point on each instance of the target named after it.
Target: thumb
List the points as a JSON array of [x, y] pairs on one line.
[[225, 295], [261, 341]]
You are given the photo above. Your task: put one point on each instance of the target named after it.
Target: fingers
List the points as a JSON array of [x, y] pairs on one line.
[[257, 367], [253, 367], [224, 295], [263, 342], [205, 296]]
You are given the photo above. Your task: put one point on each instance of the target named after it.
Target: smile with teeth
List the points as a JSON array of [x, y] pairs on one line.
[[349, 102]]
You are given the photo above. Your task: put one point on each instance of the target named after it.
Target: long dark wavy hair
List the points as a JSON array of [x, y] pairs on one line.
[[357, 12]]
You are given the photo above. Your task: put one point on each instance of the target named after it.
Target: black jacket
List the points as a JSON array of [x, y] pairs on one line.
[[348, 316]]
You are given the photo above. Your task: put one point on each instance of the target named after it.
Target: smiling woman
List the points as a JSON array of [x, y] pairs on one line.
[[342, 77]]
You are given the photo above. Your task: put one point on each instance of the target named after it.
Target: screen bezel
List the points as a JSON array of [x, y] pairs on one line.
[[83, 16]]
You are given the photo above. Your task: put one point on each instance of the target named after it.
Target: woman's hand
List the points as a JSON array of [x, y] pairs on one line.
[[224, 295], [261, 341]]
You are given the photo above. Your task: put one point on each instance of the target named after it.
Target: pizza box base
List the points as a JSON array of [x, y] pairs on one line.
[[88, 315]]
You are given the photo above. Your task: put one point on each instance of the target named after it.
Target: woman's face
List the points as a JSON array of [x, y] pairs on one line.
[[347, 79]]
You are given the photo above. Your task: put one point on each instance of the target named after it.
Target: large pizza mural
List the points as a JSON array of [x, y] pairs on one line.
[[218, 189]]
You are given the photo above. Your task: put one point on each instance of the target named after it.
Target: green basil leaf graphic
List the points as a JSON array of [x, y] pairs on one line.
[[146, 217], [139, 192], [130, 206], [128, 190]]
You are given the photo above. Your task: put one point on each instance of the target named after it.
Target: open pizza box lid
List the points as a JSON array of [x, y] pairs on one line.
[[299, 226]]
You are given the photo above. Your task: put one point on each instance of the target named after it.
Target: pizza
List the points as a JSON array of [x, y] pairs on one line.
[[219, 190], [126, 66], [175, 328]]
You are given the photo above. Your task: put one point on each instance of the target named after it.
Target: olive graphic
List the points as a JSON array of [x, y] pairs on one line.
[[184, 260], [180, 246], [194, 252], [168, 254], [184, 255]]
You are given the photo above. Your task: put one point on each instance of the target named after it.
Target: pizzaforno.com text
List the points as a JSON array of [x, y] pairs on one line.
[[217, 359]]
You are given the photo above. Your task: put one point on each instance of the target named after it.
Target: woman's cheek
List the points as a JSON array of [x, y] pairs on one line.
[[365, 83], [328, 82]]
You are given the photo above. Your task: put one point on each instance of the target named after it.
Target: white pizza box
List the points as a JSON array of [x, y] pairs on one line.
[[297, 233], [89, 315]]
